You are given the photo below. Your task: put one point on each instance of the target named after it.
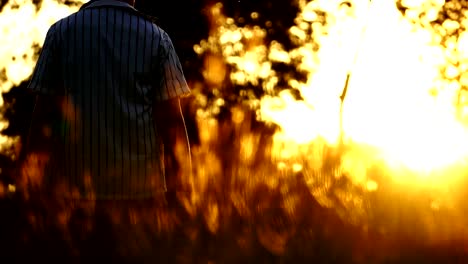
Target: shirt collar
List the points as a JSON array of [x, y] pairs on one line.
[[113, 3]]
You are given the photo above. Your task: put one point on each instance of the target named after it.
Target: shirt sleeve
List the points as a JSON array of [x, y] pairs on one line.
[[46, 77], [172, 82]]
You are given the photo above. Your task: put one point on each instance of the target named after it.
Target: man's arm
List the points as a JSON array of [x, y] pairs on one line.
[[170, 85], [169, 121], [46, 84]]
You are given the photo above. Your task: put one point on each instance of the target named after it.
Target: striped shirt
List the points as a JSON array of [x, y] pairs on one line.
[[111, 64]]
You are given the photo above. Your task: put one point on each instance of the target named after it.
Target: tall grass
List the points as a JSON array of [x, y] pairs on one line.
[[244, 203]]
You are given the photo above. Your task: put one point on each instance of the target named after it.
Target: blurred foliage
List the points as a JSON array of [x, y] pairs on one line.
[[275, 18], [449, 21]]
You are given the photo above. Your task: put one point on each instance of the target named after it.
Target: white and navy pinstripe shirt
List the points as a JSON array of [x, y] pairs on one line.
[[111, 64]]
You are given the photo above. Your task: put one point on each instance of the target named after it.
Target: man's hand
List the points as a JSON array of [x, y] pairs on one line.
[[46, 113], [170, 124]]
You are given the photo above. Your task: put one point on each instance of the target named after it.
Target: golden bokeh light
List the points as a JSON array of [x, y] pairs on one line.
[[24, 26], [393, 65]]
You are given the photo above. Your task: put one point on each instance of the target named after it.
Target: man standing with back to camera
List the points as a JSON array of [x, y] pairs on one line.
[[108, 114], [115, 81]]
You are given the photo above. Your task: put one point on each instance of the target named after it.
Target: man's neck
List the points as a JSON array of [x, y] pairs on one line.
[[130, 2]]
